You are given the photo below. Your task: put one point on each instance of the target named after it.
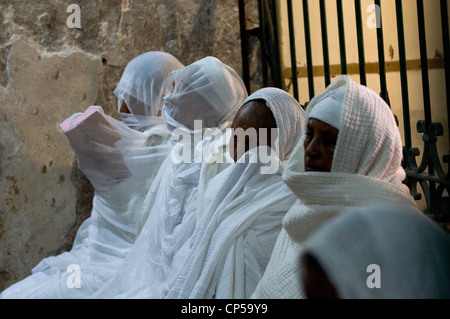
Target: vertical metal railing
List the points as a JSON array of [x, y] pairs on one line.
[[292, 50], [324, 30], [309, 62], [268, 35], [403, 76], [446, 45], [360, 38], [244, 45], [262, 37], [272, 12], [270, 48], [381, 58], [424, 62], [424, 126], [341, 31], [429, 174]]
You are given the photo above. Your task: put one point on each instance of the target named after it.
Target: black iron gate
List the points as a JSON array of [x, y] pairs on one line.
[[429, 174]]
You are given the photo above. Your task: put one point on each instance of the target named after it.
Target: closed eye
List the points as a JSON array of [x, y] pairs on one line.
[[308, 135]]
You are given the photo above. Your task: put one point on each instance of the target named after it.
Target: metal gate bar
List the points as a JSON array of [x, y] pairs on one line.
[[340, 16], [403, 77], [326, 56], [293, 50], [360, 37], [308, 49], [381, 60]]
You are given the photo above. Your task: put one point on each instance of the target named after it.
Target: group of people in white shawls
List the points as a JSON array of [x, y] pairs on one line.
[[202, 191]]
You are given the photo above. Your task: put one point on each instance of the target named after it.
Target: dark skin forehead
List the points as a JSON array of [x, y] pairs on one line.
[[254, 114]]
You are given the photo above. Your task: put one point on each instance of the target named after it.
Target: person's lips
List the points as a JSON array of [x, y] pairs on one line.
[[312, 167]]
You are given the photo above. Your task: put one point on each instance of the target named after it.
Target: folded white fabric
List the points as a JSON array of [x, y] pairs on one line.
[[209, 96], [120, 163], [206, 90], [366, 170], [409, 253], [241, 216]]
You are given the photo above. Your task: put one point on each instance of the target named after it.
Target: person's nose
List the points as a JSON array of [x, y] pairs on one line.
[[313, 149]]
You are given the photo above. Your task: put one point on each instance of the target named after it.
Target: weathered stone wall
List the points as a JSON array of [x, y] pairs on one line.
[[49, 71]]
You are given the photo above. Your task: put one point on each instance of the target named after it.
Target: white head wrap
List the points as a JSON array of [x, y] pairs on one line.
[[206, 89], [142, 87], [329, 109], [411, 251], [369, 141]]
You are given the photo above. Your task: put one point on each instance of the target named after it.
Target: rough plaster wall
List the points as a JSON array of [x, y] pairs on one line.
[[49, 71]]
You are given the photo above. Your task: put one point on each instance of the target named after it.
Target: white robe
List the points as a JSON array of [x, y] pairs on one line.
[[366, 170], [337, 193], [400, 254], [206, 90], [234, 237], [120, 163]]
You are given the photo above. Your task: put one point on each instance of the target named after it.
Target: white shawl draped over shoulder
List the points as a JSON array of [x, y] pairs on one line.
[[232, 242], [366, 170], [240, 215], [411, 251], [120, 163], [120, 159], [206, 90]]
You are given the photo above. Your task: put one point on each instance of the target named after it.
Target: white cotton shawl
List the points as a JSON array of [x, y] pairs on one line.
[[240, 216], [366, 170], [208, 91], [411, 251], [205, 90], [120, 163], [143, 86]]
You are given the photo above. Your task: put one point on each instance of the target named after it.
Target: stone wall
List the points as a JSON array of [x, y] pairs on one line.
[[49, 71]]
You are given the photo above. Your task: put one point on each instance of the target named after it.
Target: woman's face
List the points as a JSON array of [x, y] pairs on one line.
[[124, 108], [320, 142]]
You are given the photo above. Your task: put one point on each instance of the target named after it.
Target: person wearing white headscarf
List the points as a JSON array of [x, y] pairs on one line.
[[142, 87], [242, 209], [377, 253], [120, 159], [365, 169], [207, 91]]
